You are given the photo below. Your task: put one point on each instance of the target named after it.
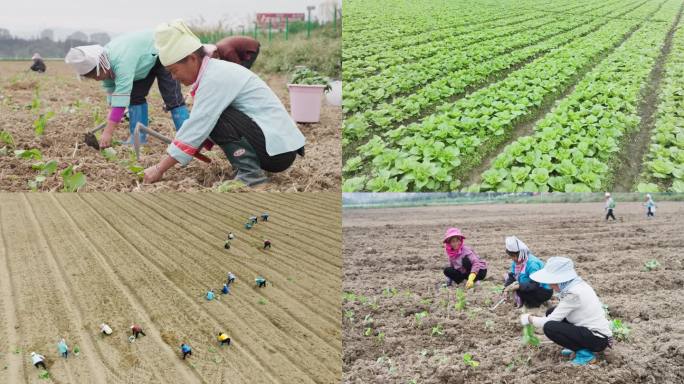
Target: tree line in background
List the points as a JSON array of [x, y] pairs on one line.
[[12, 47]]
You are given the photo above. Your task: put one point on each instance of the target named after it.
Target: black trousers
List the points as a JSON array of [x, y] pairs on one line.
[[534, 297], [169, 88], [650, 213], [610, 214], [573, 337], [186, 354], [233, 125], [139, 333], [226, 341], [40, 364], [457, 276], [38, 66]]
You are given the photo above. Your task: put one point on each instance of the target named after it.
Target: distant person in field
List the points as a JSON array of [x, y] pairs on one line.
[[253, 219], [264, 216], [260, 282], [63, 348], [241, 50], [233, 108], [38, 360], [610, 206], [267, 244], [231, 278], [210, 295], [578, 323], [231, 236], [226, 289], [137, 330], [464, 263], [650, 206], [38, 63], [526, 291], [223, 338], [186, 350], [127, 67], [105, 329]]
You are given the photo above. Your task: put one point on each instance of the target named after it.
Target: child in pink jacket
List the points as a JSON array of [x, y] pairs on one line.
[[463, 261]]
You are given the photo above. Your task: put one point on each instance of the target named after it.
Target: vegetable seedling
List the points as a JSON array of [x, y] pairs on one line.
[[528, 336], [420, 316], [262, 301], [46, 168], [28, 154], [41, 122], [349, 297], [468, 360], [7, 138], [109, 154], [460, 299], [437, 330], [368, 331], [620, 331], [349, 315], [381, 337], [72, 181]]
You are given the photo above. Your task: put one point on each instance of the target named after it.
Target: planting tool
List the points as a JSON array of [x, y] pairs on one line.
[[141, 128], [90, 138], [498, 303]]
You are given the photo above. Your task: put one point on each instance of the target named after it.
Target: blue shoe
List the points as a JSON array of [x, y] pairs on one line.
[[567, 353], [137, 114], [583, 357], [179, 115]]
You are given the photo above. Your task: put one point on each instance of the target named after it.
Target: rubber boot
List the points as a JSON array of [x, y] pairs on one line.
[[244, 159], [583, 357], [137, 114], [179, 115], [567, 353]]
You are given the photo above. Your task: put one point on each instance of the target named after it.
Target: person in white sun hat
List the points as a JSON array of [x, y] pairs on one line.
[[233, 108], [127, 67], [578, 323]]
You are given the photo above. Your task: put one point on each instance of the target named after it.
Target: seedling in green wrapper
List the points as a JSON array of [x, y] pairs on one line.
[[528, 336], [652, 265], [420, 316], [468, 360]]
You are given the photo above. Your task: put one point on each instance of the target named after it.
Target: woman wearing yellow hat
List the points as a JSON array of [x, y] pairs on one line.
[[232, 108], [127, 67]]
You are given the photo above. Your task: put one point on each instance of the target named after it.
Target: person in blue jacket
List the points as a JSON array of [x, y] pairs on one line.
[[526, 291], [186, 350]]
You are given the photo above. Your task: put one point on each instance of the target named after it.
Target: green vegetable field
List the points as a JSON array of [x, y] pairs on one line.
[[570, 96]]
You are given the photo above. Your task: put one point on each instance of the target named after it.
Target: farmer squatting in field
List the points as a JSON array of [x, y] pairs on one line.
[[38, 360], [127, 66], [463, 261], [242, 50], [38, 64], [233, 108], [526, 292], [578, 323]]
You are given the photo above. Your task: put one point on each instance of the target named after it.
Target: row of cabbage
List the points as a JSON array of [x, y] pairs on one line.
[[574, 148], [430, 155], [664, 163]]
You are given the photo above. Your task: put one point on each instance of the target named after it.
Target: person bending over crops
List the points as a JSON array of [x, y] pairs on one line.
[[267, 244], [578, 323], [38, 360], [264, 216], [526, 291], [186, 350], [63, 348], [260, 282], [38, 63], [226, 289], [610, 206], [233, 108], [463, 261], [127, 67], [223, 338], [650, 206], [241, 50], [105, 329], [137, 330], [231, 278]]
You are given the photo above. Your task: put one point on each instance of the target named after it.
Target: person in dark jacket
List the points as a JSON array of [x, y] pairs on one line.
[[38, 63]]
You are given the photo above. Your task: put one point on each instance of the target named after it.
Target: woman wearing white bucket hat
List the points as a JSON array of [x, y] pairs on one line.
[[578, 323], [232, 108], [127, 67]]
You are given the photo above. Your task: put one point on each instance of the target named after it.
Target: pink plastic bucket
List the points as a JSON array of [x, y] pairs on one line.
[[305, 102]]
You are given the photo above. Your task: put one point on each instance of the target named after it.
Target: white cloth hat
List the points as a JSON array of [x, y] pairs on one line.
[[175, 41], [85, 58], [607, 194], [557, 270]]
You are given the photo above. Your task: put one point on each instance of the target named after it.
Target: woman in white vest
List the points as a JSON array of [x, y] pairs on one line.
[[579, 322], [233, 108]]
